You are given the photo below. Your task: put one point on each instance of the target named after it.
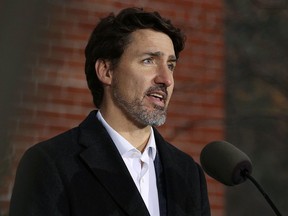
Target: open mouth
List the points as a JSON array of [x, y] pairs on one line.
[[158, 98], [157, 95]]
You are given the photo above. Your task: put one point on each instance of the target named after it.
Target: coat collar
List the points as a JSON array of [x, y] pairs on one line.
[[104, 160]]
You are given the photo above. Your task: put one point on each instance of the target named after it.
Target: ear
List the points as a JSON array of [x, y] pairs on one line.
[[103, 72]]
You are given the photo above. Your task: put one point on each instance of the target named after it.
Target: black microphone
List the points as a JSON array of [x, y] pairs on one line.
[[224, 162], [230, 166]]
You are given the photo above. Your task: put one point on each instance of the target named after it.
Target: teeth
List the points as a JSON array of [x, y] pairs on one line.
[[157, 95]]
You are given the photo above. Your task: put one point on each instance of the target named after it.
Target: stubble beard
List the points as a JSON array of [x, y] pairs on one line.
[[136, 111]]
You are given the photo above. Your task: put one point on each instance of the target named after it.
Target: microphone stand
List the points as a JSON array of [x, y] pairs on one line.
[[246, 174]]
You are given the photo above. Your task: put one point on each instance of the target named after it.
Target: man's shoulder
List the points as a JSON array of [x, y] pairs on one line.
[[59, 145], [60, 139], [66, 142]]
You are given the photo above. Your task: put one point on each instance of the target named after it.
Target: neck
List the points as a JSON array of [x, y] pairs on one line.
[[133, 133]]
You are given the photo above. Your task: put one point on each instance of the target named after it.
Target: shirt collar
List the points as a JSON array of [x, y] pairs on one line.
[[122, 144]]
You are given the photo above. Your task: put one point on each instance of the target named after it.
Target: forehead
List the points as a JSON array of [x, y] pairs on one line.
[[148, 40]]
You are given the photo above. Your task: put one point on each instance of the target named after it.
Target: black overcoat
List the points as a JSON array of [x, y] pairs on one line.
[[81, 173]]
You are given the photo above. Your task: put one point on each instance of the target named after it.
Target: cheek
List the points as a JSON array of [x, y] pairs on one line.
[[170, 91], [171, 88], [134, 88], [138, 83]]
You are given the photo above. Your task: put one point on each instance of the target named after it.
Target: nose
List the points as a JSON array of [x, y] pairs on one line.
[[164, 76]]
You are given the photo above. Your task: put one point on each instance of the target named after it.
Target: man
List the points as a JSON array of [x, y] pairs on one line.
[[115, 162]]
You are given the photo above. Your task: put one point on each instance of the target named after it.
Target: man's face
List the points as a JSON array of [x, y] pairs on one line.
[[143, 81]]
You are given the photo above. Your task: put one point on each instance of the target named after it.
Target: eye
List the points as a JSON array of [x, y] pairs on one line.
[[148, 61], [171, 66]]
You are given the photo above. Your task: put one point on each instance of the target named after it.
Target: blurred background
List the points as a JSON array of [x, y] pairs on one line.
[[231, 84]]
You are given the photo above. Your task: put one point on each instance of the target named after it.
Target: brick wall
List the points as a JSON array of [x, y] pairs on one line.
[[55, 95]]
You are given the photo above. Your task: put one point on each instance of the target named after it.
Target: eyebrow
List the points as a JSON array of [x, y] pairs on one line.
[[158, 54]]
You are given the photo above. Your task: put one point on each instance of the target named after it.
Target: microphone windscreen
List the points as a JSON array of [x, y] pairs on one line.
[[225, 163]]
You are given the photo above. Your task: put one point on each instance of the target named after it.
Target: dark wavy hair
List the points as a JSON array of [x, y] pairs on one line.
[[111, 36]]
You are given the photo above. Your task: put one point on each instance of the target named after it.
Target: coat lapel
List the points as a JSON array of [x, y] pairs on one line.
[[174, 178], [104, 160], [168, 172]]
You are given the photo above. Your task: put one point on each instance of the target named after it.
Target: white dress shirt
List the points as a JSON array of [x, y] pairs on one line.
[[140, 166]]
